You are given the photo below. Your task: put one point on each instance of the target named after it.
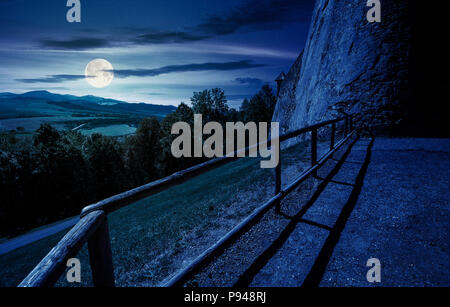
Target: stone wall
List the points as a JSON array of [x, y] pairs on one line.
[[350, 65]]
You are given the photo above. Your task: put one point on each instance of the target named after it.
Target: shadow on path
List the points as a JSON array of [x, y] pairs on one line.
[[247, 277], [317, 271], [338, 182]]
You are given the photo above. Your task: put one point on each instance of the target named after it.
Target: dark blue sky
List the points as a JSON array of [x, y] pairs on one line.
[[161, 50]]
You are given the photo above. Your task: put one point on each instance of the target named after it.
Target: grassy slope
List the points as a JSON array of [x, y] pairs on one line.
[[30, 112], [150, 239]]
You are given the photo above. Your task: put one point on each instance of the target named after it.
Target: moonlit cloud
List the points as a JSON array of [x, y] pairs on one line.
[[257, 15], [244, 64], [53, 79], [249, 81], [76, 43], [125, 73], [168, 37], [251, 15]]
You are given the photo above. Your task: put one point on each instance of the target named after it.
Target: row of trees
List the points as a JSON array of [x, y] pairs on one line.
[[54, 174]]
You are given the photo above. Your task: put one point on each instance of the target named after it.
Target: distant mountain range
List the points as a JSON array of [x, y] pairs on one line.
[[44, 103]]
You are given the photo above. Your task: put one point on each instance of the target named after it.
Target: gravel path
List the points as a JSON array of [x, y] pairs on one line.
[[401, 217], [388, 201]]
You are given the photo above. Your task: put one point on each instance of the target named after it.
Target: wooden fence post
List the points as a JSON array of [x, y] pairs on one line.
[[278, 183], [100, 257]]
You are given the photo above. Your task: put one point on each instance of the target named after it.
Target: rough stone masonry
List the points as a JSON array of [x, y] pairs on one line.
[[351, 65]]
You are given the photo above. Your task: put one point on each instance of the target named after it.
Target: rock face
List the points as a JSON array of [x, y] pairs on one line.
[[351, 65]]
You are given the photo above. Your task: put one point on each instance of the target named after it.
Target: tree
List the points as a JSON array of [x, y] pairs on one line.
[[171, 164], [143, 151], [212, 104], [220, 105], [233, 116], [260, 107], [183, 113], [57, 185], [106, 169], [46, 135]]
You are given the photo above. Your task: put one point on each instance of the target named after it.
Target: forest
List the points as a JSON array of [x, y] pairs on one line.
[[53, 174]]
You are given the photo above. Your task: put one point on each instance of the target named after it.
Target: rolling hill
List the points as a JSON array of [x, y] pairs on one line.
[[27, 111]]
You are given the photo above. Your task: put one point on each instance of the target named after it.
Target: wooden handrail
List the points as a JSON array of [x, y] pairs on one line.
[[116, 202], [48, 271], [93, 225]]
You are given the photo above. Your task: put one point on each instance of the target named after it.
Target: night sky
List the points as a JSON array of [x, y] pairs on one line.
[[161, 50]]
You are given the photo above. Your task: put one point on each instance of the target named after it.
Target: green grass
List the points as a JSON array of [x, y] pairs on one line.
[[113, 130], [149, 237], [107, 124]]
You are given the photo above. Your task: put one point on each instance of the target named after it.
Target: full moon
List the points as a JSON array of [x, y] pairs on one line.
[[99, 73]]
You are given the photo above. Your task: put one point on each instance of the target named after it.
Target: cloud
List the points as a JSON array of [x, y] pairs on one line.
[[124, 73], [249, 81], [161, 37], [78, 43], [244, 64], [258, 14], [251, 14], [53, 79]]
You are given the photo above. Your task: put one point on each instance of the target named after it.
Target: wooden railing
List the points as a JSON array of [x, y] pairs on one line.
[[93, 225]]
